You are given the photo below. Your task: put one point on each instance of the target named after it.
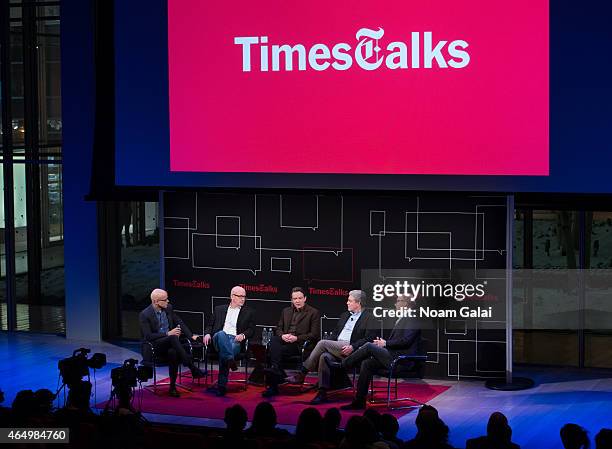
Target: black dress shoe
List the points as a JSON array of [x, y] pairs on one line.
[[297, 378], [320, 398], [218, 390], [355, 405], [172, 392], [270, 392], [197, 373], [231, 363]]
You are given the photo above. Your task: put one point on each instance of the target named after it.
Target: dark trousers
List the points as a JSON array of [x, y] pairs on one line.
[[372, 359], [279, 349], [173, 349]]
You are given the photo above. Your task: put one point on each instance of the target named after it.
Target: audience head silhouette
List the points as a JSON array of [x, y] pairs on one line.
[[332, 418], [235, 418], [309, 425], [24, 404], [44, 399], [498, 429], [264, 417], [603, 440], [430, 428], [374, 416], [359, 433], [389, 426], [574, 437]]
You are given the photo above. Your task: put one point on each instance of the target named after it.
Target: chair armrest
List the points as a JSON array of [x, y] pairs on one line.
[[407, 358], [412, 358], [306, 344]]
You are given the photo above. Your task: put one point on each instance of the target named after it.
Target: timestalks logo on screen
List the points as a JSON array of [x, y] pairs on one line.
[[368, 54]]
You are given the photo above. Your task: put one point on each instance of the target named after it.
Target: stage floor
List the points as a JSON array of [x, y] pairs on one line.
[[29, 361]]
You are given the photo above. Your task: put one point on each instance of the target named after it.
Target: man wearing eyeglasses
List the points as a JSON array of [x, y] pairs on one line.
[[163, 328], [232, 324], [403, 340]]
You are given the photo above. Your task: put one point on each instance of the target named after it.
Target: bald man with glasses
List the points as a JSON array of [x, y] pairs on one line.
[[232, 324], [163, 328]]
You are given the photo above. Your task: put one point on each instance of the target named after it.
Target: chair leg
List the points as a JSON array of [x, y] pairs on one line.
[[212, 376], [372, 389], [395, 387], [246, 373], [389, 391], [153, 388]]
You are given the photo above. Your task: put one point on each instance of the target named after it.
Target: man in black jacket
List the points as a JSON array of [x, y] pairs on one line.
[[355, 327], [232, 324], [298, 324], [161, 327], [404, 339]]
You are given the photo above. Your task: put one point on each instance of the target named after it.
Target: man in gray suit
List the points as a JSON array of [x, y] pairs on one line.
[[355, 327]]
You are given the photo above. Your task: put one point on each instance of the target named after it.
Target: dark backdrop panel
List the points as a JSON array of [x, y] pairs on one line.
[[269, 243]]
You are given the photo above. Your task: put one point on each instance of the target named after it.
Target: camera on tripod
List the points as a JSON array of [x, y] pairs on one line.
[[73, 369], [130, 373]]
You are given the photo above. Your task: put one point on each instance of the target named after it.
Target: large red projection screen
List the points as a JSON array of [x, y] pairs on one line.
[[399, 87]]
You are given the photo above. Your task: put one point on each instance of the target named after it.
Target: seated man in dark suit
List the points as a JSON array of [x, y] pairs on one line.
[[232, 324], [404, 339], [355, 327], [161, 327], [297, 324]]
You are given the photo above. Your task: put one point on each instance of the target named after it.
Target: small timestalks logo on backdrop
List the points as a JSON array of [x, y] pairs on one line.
[[420, 52]]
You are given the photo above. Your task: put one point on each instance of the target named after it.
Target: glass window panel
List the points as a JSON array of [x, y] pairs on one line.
[[139, 240], [518, 241], [546, 302], [598, 350], [3, 310], [49, 90], [17, 82], [555, 239], [598, 293], [52, 295], [1, 116], [47, 11], [16, 9], [39, 256]]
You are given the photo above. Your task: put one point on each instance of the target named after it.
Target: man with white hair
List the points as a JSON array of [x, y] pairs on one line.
[[232, 324], [355, 328], [161, 327]]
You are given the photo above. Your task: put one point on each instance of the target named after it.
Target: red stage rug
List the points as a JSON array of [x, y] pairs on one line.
[[289, 404]]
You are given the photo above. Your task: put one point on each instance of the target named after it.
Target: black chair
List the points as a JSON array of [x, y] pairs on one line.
[[196, 321], [152, 359], [242, 357], [296, 361], [401, 367]]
